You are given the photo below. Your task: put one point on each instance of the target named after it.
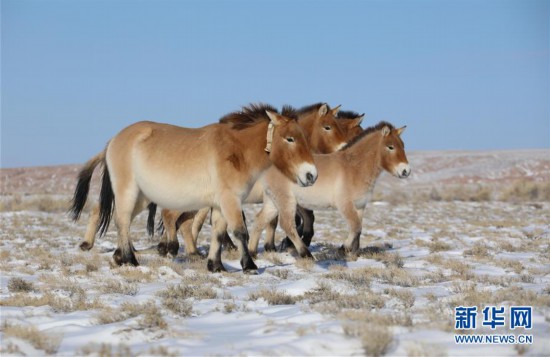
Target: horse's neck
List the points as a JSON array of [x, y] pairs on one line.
[[252, 142], [364, 159], [306, 121]]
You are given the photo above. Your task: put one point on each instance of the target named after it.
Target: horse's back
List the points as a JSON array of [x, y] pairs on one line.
[[165, 161]]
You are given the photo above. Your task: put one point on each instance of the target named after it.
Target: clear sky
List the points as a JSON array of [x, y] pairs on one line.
[[471, 75]]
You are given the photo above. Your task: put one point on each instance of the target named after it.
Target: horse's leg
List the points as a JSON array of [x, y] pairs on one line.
[[287, 212], [198, 221], [126, 199], [185, 222], [306, 226], [354, 218], [91, 229], [232, 212], [308, 218], [269, 245], [169, 242], [267, 214], [219, 227], [141, 204]]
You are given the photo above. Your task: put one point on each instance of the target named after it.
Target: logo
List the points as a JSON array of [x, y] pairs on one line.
[[518, 317]]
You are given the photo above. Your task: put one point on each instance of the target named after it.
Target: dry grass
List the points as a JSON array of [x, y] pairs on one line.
[[358, 277], [48, 343], [114, 286], [373, 330], [18, 285], [406, 297], [185, 291], [272, 296]]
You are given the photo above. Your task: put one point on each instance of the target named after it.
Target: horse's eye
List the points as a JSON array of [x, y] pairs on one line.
[[390, 147], [290, 139], [327, 128]]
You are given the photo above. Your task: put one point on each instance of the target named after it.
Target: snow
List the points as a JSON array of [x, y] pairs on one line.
[[232, 323]]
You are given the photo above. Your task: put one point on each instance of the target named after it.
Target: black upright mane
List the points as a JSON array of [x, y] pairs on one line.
[[348, 114], [253, 114], [311, 107], [366, 132]]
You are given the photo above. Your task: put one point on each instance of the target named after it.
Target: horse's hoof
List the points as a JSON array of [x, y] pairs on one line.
[[215, 266], [270, 247], [286, 244], [121, 259], [306, 254], [162, 248], [248, 265], [85, 246], [173, 248], [196, 255]]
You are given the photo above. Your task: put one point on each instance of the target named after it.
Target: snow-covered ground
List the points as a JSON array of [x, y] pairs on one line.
[[419, 261]]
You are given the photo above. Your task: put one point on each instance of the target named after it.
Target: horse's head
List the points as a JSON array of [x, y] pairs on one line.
[[326, 135], [350, 123], [289, 150], [394, 159]]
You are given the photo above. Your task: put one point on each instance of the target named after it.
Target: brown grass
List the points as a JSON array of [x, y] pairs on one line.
[[18, 285], [48, 343], [272, 296]]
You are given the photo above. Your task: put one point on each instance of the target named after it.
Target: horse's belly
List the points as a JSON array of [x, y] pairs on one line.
[[309, 197], [183, 193]]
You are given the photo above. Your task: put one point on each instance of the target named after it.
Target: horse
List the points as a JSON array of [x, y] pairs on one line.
[[186, 169], [319, 124], [322, 132], [345, 179]]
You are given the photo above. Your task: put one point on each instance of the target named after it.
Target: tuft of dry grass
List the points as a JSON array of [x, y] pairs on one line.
[[184, 291], [18, 285], [272, 296], [405, 296], [113, 286], [375, 333], [280, 273], [48, 343], [357, 277]]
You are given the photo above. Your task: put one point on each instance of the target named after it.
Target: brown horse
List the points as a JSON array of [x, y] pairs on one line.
[[324, 134], [187, 169], [345, 178], [350, 122], [327, 131]]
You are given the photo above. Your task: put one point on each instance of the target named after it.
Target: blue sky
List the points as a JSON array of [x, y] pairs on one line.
[[468, 75]]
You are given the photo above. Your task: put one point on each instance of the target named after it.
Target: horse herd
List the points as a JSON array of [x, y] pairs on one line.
[[293, 161]]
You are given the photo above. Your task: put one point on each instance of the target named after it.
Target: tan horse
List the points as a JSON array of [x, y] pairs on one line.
[[187, 169], [320, 126], [324, 135], [345, 178]]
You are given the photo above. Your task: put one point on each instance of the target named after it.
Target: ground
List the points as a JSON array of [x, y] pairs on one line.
[[467, 229], [419, 261]]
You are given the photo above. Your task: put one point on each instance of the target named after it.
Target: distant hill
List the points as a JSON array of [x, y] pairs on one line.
[[430, 169]]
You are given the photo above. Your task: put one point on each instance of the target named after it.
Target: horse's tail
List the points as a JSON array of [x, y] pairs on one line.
[[106, 202], [83, 185], [152, 207]]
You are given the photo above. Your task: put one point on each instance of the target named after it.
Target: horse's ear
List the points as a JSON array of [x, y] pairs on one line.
[[275, 118], [323, 110], [359, 119], [401, 130], [336, 110], [386, 131]]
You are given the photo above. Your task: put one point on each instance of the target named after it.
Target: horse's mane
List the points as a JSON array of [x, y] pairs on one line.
[[366, 132], [347, 114], [309, 108], [253, 114]]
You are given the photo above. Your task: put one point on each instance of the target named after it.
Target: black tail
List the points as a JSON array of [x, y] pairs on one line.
[[152, 207], [160, 227], [106, 202], [83, 186]]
